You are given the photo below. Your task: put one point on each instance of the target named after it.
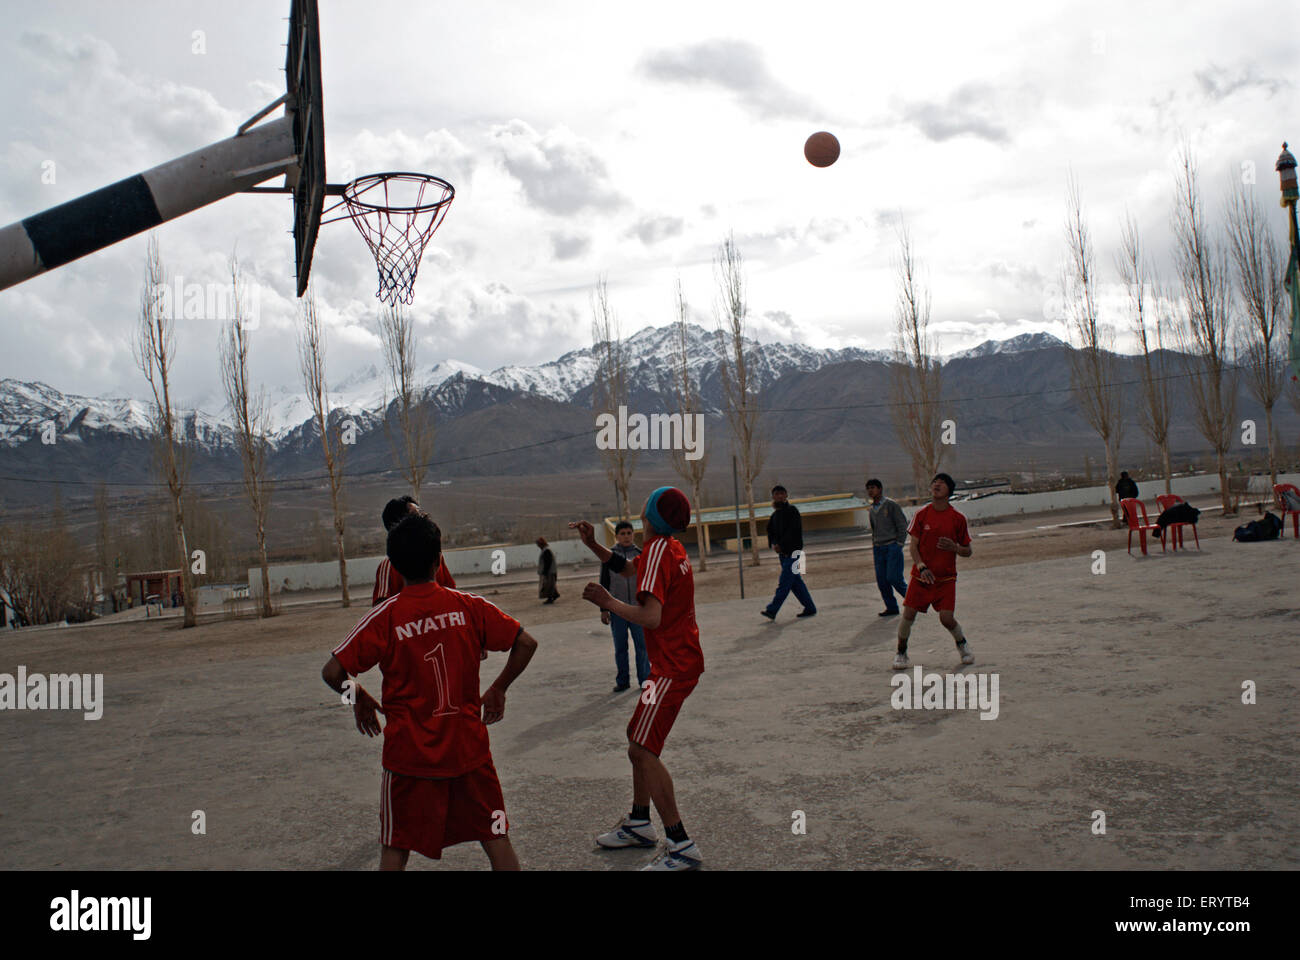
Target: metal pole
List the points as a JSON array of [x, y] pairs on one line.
[[618, 512], [102, 218], [740, 552]]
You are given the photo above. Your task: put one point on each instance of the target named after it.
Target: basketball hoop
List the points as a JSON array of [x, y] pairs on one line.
[[396, 222]]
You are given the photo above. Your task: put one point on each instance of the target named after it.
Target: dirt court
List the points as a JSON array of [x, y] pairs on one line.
[[1119, 692]]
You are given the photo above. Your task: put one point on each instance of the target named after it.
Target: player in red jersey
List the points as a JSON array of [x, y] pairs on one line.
[[439, 786], [665, 607], [388, 582], [938, 536]]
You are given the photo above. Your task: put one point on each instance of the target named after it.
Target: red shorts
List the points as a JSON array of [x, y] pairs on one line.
[[656, 709], [425, 815], [922, 596]]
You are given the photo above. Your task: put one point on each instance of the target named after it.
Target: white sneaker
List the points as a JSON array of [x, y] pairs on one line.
[[901, 662], [677, 856], [629, 833], [967, 655]]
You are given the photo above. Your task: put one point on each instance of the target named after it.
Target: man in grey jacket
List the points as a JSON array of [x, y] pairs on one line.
[[888, 534], [622, 586]]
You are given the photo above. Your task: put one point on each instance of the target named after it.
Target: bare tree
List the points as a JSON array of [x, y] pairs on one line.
[[311, 361], [1259, 270], [610, 389], [154, 349], [43, 570], [916, 372], [1202, 268], [687, 394], [415, 444], [1149, 323], [248, 409], [1093, 370], [105, 567], [739, 381]]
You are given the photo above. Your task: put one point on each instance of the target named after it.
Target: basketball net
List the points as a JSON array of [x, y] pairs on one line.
[[397, 214]]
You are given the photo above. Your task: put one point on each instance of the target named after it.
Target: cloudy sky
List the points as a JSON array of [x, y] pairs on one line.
[[627, 140]]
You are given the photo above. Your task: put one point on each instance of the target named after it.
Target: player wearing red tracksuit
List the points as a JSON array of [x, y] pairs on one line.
[[388, 582], [665, 607], [439, 786], [937, 537]]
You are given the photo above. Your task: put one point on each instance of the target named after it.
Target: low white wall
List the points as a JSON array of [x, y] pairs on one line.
[[1009, 504], [520, 558]]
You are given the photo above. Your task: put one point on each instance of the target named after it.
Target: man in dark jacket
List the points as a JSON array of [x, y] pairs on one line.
[[1126, 489], [785, 536], [548, 571]]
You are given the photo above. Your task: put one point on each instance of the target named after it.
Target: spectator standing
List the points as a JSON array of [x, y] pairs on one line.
[[548, 572], [622, 587], [1125, 488], [888, 535]]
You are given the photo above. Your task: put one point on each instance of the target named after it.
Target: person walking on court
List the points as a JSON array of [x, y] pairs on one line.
[[548, 571], [622, 587], [785, 536], [888, 534]]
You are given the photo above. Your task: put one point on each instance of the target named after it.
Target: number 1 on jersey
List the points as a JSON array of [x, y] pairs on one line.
[[438, 658]]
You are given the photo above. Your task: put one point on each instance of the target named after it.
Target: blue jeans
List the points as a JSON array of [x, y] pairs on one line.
[[790, 582], [889, 573], [620, 628]]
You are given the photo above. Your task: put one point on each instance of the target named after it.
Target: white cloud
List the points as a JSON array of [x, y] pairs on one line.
[[588, 139]]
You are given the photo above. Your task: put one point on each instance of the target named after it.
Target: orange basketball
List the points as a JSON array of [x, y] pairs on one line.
[[821, 149]]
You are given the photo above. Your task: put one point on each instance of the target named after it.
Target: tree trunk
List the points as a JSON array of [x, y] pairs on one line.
[[343, 567], [1112, 477], [753, 523], [1272, 459], [266, 574], [699, 527], [1223, 484], [1169, 470], [187, 581]]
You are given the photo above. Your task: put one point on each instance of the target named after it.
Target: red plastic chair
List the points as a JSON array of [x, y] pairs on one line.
[[1278, 490], [1131, 507], [1167, 500]]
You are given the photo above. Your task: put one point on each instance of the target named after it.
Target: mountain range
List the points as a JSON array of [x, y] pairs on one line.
[[1004, 395]]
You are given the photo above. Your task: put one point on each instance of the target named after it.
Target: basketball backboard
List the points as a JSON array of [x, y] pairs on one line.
[[305, 106]]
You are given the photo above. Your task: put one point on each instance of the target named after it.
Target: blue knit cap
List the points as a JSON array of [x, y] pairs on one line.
[[667, 510]]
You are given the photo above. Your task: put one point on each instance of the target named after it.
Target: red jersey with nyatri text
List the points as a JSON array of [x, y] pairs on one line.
[[928, 526], [389, 583], [427, 642], [664, 572]]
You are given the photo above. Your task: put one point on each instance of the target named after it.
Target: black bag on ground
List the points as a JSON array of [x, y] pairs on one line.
[[1266, 528], [1178, 513]]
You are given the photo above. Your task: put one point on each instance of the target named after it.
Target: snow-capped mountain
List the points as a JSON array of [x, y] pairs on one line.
[[651, 355], [27, 408], [1024, 343]]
